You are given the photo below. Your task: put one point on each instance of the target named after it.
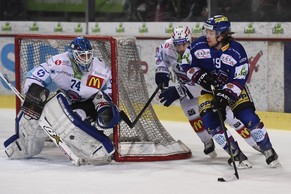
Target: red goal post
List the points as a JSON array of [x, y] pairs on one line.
[[148, 140]]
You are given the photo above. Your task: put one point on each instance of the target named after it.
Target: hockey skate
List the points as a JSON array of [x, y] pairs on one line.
[[272, 158], [209, 149], [240, 160]]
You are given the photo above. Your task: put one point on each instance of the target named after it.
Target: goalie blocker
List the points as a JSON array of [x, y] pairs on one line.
[[35, 100], [81, 142]]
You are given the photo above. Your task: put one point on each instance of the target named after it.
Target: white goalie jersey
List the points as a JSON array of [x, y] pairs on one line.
[[76, 138], [60, 71]]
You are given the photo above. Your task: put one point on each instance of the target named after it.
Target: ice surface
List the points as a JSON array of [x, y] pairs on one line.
[[50, 172]]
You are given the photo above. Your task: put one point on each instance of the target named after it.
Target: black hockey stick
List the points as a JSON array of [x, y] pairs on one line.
[[226, 178], [126, 119]]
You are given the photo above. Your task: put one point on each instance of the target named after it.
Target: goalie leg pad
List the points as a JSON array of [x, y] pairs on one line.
[[83, 139], [28, 140]]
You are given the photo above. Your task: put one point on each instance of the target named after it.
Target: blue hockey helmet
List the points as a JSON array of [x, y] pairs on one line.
[[218, 23], [81, 52]]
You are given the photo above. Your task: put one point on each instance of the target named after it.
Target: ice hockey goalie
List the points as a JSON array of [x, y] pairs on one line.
[[69, 117]]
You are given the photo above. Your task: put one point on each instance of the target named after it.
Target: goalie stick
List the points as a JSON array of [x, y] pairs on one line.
[[16, 92], [126, 119], [226, 178], [31, 105], [54, 137]]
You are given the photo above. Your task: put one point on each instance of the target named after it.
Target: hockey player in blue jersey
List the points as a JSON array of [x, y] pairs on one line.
[[220, 61], [174, 55]]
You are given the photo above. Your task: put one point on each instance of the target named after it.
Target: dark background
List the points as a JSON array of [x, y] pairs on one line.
[[144, 10]]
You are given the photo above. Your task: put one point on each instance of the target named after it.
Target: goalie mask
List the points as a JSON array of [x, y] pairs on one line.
[[80, 51]]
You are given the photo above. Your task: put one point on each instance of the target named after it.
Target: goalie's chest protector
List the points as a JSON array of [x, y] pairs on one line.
[[96, 79], [82, 88]]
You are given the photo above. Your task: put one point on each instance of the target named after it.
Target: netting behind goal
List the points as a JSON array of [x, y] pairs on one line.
[[148, 140]]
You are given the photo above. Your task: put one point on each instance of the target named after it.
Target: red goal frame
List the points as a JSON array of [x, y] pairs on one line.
[[114, 65]]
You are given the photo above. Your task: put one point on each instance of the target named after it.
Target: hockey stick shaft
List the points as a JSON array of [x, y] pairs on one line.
[[16, 92], [126, 119], [225, 135]]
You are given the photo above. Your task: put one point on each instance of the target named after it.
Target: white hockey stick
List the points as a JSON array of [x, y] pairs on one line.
[[16, 92], [46, 127]]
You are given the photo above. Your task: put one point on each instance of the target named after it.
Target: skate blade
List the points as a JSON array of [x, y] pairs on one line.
[[275, 164], [242, 165]]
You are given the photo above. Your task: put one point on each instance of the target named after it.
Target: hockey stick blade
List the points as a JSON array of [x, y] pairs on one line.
[[228, 178], [126, 119]]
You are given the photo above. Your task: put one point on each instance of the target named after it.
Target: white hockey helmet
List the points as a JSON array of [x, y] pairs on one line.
[[181, 35]]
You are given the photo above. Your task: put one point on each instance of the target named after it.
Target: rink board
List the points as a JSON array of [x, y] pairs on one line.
[[272, 120]]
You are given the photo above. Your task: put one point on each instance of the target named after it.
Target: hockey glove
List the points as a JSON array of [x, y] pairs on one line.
[[35, 100], [107, 112], [107, 115], [163, 78], [204, 80], [221, 100], [172, 93]]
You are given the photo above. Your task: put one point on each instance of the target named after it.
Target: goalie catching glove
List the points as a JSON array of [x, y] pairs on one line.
[[107, 112], [172, 93]]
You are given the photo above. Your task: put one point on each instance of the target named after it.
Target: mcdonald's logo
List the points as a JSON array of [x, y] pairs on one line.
[[94, 82], [197, 125], [244, 133]]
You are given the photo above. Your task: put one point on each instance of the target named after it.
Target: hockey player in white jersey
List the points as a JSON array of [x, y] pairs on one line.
[[83, 98], [174, 54]]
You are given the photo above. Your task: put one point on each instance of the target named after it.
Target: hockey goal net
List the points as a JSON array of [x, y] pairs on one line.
[[148, 140]]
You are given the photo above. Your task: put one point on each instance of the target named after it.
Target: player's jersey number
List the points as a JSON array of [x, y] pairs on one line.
[[75, 84]]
